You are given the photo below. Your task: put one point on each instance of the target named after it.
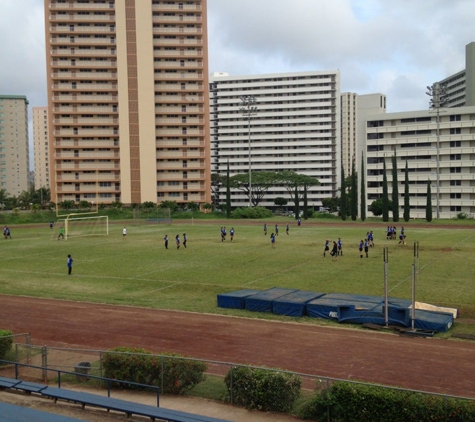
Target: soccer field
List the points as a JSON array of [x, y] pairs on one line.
[[138, 270]]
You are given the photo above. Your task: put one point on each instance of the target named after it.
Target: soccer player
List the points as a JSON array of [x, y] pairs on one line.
[[272, 240], [61, 233], [327, 247], [265, 229], [184, 239], [287, 229], [177, 241], [340, 247], [165, 239], [231, 233], [69, 263], [124, 232]]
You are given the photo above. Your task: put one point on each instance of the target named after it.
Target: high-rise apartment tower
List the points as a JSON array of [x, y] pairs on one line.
[[41, 147], [14, 153], [128, 102]]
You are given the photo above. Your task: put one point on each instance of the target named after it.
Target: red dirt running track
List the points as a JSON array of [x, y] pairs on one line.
[[428, 364]]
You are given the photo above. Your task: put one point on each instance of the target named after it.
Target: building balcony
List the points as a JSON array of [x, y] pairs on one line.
[[178, 42], [179, 30], [179, 132], [83, 52], [73, 18], [178, 165], [88, 64], [80, 6], [91, 29], [93, 76], [180, 7], [178, 65], [77, 41]]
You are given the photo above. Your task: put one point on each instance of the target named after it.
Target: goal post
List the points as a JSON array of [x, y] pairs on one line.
[[97, 225]]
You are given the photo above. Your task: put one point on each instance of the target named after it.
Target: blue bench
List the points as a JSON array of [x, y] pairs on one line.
[[14, 413], [129, 408], [8, 382], [158, 220]]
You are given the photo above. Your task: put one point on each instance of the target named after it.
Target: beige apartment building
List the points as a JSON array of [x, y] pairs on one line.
[[41, 147], [127, 98], [14, 153]]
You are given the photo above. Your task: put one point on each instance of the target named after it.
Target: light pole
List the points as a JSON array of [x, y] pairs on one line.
[[438, 95], [249, 109]]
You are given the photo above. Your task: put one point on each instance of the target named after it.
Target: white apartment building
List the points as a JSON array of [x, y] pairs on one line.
[[354, 110], [460, 87], [446, 156], [41, 147], [296, 127], [14, 148], [128, 100]]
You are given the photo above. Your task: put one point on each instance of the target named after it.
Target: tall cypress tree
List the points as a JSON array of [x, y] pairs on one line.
[[343, 199], [385, 198], [297, 202], [305, 203], [228, 193], [395, 192], [354, 193], [363, 192], [429, 203], [407, 207]]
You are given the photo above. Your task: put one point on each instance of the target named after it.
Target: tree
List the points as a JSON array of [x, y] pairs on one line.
[[150, 205], [429, 203], [305, 203], [280, 201], [395, 191], [363, 192], [261, 182], [228, 193], [376, 207], [343, 199], [66, 204], [296, 185], [407, 207], [385, 198], [171, 205], [354, 193], [217, 181], [331, 203], [192, 206]]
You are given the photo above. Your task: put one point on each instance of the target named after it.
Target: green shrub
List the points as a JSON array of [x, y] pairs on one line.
[[263, 390], [140, 366], [251, 212], [363, 403], [6, 342]]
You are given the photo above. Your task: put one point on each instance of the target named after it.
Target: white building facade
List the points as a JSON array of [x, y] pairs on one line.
[[445, 155], [296, 127]]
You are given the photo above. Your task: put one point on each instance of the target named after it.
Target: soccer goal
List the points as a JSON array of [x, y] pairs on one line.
[[84, 226]]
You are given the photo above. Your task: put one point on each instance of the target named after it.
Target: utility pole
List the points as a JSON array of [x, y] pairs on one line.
[[249, 109], [438, 99]]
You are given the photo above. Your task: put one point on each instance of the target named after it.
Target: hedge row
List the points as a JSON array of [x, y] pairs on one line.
[[265, 390], [362, 403], [140, 366], [6, 342]]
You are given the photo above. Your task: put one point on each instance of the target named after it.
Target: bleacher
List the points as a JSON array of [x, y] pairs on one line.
[[98, 401]]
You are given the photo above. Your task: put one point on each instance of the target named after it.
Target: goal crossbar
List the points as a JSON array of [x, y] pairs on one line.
[[85, 226]]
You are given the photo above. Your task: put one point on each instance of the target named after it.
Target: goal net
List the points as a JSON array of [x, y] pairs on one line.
[[84, 226], [152, 215]]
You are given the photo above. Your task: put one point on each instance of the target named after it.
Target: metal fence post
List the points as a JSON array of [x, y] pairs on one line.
[[44, 362], [28, 348], [231, 384]]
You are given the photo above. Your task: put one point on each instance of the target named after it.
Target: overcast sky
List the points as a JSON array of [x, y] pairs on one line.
[[393, 47]]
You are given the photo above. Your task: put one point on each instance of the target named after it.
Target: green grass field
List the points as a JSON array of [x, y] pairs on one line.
[[139, 271]]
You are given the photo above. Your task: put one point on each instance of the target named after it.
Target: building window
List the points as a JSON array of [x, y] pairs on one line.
[[455, 183], [455, 157], [455, 169], [456, 208], [455, 195], [454, 144], [455, 131], [455, 118]]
